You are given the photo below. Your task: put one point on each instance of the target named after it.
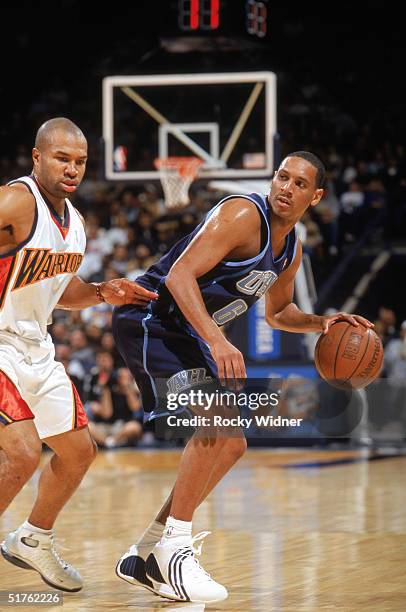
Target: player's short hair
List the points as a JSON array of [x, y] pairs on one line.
[[47, 129], [314, 161]]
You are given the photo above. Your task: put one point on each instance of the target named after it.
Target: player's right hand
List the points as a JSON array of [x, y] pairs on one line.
[[121, 291], [230, 363]]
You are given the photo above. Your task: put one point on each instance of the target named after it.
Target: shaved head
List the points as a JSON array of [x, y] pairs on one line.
[[59, 157], [48, 131]]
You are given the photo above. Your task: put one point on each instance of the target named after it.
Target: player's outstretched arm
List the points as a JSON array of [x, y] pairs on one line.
[[117, 292], [224, 232], [281, 313]]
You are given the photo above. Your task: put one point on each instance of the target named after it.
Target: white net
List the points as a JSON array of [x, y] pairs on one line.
[[176, 175]]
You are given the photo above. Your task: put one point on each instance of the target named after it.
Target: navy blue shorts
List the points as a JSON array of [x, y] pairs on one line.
[[162, 356]]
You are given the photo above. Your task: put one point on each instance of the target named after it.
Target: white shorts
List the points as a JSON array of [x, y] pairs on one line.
[[35, 386]]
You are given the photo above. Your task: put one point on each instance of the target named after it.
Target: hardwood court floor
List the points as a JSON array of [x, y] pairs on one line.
[[284, 538]]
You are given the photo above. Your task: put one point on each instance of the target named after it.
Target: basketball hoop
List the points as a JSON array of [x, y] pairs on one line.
[[176, 175]]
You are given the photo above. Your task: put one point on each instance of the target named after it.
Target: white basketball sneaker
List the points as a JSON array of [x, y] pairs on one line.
[[173, 562], [31, 550], [131, 567]]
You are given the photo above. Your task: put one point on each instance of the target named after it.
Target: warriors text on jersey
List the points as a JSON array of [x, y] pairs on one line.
[[34, 275], [231, 287]]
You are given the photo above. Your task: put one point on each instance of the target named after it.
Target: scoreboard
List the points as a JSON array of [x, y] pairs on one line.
[[222, 15]]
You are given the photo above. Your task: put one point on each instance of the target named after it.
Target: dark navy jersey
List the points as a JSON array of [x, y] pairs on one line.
[[231, 287]]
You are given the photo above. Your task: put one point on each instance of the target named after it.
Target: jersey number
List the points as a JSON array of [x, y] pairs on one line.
[[257, 282], [229, 312]]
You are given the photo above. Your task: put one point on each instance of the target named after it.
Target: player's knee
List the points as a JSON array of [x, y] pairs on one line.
[[90, 453], [236, 447], [24, 458], [84, 456]]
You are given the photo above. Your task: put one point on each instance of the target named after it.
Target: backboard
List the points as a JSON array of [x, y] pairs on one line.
[[226, 119]]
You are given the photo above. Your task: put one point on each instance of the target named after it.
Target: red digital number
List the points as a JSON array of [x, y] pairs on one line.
[[199, 14]]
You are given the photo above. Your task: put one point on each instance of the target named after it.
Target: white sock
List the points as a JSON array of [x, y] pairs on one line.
[[151, 535], [27, 525], [175, 528]]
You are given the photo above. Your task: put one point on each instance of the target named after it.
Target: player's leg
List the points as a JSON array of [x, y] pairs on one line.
[[220, 454], [61, 421], [20, 455], [131, 338], [154, 353], [204, 463], [32, 544], [74, 451], [19, 441], [231, 450]]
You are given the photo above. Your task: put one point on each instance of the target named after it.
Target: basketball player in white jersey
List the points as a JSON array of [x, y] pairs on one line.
[[42, 242]]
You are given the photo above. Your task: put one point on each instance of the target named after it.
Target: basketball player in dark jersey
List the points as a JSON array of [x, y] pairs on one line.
[[247, 247]]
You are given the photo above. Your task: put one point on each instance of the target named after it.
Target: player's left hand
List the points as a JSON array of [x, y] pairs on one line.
[[121, 291], [354, 319]]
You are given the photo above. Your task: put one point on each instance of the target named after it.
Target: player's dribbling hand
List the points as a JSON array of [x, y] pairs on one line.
[[121, 291], [355, 320], [230, 364]]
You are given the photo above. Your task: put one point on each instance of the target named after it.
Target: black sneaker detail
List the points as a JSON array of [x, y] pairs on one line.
[[175, 572], [134, 567], [152, 569]]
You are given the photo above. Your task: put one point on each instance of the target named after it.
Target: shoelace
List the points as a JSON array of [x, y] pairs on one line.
[[50, 546], [189, 559]]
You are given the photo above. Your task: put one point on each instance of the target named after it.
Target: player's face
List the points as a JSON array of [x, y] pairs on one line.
[[61, 163], [294, 189]]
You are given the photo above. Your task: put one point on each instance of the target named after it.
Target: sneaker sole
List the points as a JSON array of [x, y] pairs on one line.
[[15, 560]]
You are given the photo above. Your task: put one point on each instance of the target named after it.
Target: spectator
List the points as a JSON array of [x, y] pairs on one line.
[[326, 213], [118, 234], [81, 349], [352, 202], [395, 370], [119, 259], [114, 404], [387, 322], [96, 248]]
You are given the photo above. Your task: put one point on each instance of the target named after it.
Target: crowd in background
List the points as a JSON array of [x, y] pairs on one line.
[[128, 226]]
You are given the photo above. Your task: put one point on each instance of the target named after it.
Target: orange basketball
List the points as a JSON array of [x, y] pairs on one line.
[[349, 357]]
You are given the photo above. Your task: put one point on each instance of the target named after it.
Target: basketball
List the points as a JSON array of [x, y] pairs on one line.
[[349, 357]]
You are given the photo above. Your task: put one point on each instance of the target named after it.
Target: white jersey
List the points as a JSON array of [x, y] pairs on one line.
[[35, 274]]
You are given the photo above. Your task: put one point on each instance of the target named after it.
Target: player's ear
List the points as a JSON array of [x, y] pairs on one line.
[[35, 155], [318, 194]]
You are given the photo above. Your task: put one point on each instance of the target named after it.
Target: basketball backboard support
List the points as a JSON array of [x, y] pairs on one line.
[[226, 119]]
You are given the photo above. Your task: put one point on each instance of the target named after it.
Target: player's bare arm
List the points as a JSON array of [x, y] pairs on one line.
[[233, 232], [17, 212], [117, 292], [282, 313]]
